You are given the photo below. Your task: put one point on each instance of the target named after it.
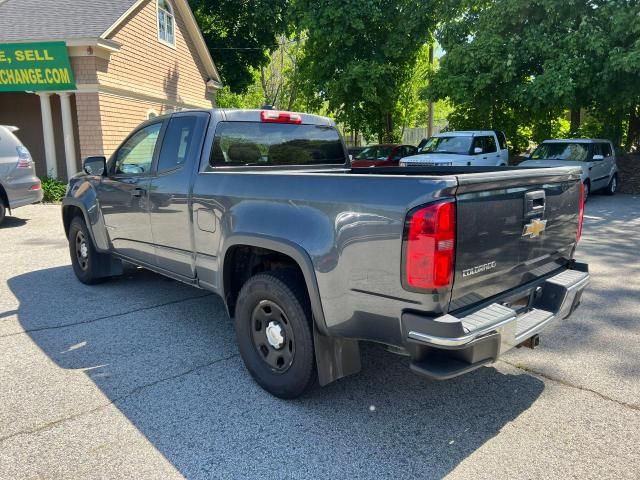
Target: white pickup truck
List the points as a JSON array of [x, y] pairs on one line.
[[460, 149]]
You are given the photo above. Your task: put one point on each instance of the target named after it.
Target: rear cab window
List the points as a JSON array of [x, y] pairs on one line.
[[245, 144]]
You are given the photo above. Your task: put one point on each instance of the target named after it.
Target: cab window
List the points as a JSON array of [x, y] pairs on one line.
[[181, 141], [268, 144], [135, 156]]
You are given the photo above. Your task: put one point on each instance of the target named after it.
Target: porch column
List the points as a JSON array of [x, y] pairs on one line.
[[67, 131], [47, 130]]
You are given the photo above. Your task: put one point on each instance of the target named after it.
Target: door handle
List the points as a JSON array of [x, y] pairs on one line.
[[137, 192]]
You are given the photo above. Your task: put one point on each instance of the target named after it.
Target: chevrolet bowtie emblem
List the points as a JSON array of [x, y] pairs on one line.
[[535, 228]]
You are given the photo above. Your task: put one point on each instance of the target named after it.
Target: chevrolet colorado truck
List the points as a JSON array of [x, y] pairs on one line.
[[449, 266]]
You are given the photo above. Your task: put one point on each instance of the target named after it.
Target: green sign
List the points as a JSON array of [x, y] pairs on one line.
[[35, 66]]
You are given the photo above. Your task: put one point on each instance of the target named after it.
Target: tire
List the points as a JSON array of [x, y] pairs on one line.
[[587, 191], [612, 188], [88, 264], [3, 211], [274, 332]]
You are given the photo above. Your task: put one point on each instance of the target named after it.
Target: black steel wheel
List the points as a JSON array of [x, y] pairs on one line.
[[274, 331], [88, 264], [587, 191], [273, 336], [82, 250], [612, 188], [3, 211]]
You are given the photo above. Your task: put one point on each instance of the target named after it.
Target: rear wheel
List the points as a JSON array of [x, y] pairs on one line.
[[274, 332], [88, 264], [613, 185]]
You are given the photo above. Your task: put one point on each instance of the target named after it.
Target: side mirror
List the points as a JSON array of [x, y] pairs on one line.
[[526, 155], [477, 150], [95, 165], [597, 157]]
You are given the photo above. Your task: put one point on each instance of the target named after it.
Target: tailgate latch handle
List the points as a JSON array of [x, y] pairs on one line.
[[534, 203]]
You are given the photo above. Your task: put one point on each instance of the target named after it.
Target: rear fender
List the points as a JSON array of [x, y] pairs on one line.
[[335, 357], [82, 196]]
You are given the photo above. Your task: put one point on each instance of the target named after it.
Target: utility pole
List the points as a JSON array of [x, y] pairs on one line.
[[430, 106]]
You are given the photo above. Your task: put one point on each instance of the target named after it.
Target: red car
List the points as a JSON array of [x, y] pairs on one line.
[[387, 155]]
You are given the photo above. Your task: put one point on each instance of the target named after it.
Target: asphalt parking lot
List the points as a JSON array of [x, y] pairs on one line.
[[140, 377]]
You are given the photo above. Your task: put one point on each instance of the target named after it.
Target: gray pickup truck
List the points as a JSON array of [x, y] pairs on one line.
[[449, 266]]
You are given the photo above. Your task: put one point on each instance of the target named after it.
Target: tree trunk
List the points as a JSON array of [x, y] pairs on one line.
[[575, 120], [430, 106], [389, 127]]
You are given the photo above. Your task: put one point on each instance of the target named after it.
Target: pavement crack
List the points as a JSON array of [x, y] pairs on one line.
[[119, 399], [106, 317], [565, 383]]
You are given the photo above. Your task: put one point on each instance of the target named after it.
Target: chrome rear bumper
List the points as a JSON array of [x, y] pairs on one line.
[[480, 337]]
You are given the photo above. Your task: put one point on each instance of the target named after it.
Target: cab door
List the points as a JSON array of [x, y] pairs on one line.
[[599, 168], [123, 194], [169, 192]]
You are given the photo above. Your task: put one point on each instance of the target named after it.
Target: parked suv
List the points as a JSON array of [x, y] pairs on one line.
[[595, 156], [19, 185], [461, 149]]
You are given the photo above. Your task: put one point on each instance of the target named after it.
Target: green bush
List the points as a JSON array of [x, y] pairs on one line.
[[54, 190]]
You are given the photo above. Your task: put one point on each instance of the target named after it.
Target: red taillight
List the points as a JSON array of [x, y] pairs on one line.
[[273, 116], [35, 187], [23, 163], [430, 246], [580, 213]]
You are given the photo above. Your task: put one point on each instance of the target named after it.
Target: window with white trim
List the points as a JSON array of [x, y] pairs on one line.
[[166, 23]]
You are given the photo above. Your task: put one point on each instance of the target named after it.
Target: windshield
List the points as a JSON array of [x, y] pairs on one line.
[[454, 145], [577, 152], [375, 153], [253, 143]]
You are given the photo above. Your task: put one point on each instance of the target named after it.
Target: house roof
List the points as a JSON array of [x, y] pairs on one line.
[[25, 20], [69, 20]]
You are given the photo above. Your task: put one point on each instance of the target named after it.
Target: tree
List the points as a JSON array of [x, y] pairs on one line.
[[520, 66], [359, 55], [240, 34]]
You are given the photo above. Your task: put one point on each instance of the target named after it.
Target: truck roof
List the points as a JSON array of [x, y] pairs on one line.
[[253, 115], [576, 140], [464, 133]]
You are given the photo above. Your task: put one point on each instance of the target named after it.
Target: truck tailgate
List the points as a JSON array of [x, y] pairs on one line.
[[512, 227]]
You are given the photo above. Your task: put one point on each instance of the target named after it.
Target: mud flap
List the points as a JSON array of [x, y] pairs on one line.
[[335, 357]]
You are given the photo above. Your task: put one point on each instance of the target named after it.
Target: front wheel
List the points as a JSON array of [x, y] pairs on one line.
[[3, 211], [587, 191], [613, 185], [87, 262], [274, 331]]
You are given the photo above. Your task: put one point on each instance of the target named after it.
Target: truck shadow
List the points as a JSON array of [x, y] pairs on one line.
[[13, 222], [165, 355]]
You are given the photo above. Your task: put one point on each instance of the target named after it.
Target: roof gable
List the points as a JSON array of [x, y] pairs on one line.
[[33, 20]]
